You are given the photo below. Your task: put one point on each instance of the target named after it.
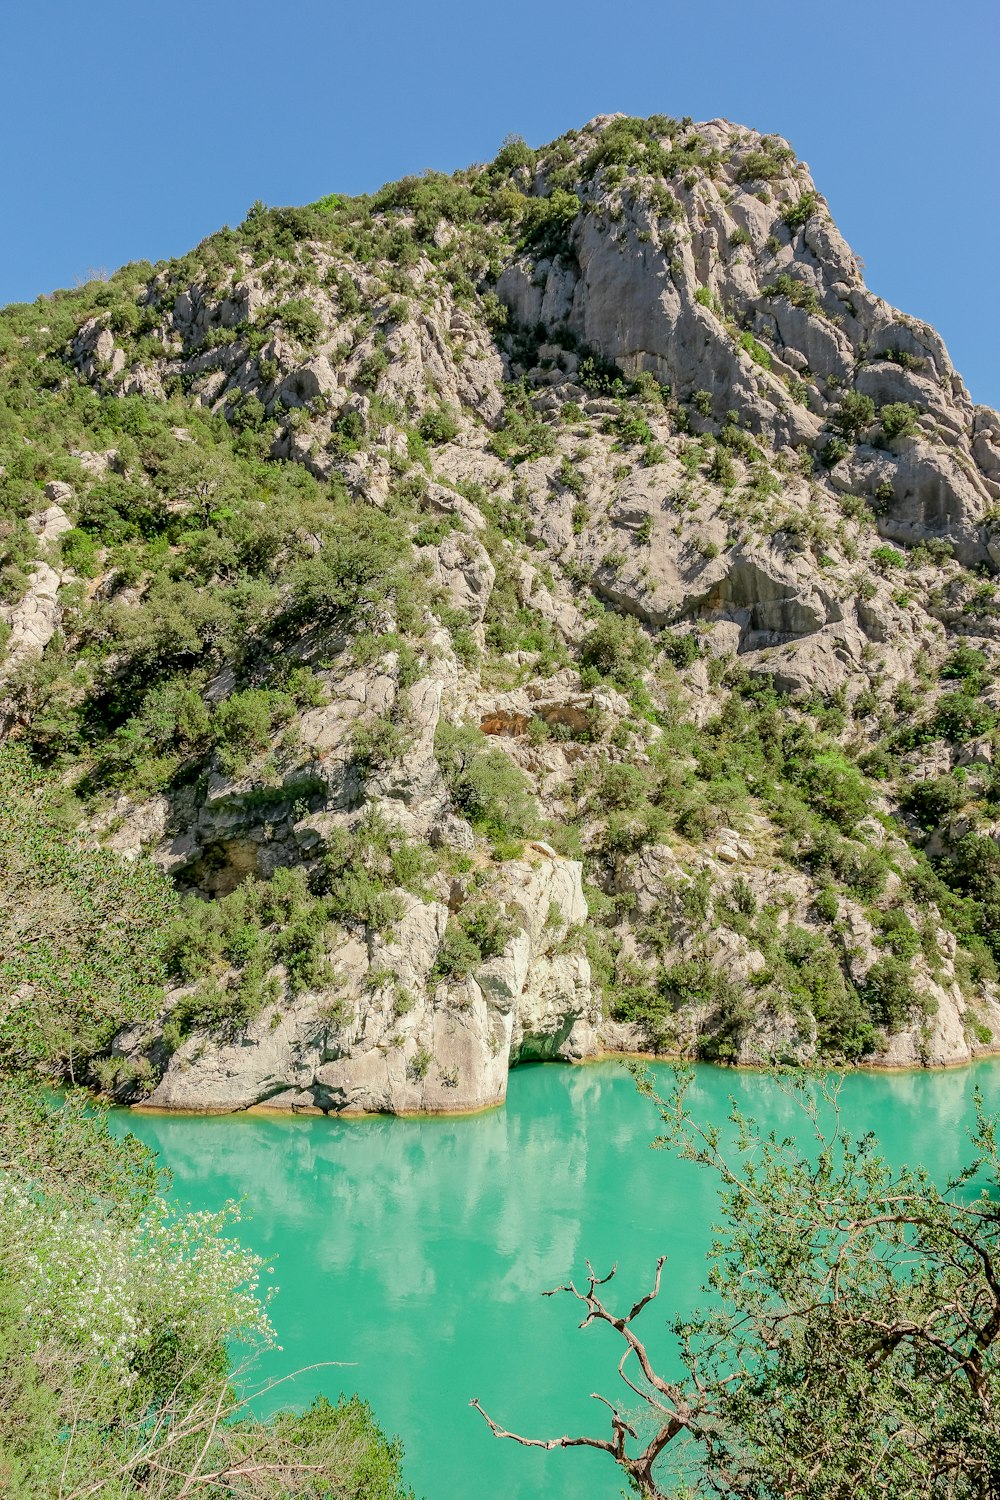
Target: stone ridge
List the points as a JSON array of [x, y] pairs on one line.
[[698, 538]]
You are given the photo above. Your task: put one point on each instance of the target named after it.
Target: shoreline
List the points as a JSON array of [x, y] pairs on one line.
[[986, 1055]]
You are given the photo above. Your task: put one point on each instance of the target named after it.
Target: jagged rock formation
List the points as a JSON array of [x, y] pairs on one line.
[[634, 377], [404, 1040]]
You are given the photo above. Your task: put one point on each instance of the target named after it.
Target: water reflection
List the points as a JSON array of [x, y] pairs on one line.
[[417, 1249]]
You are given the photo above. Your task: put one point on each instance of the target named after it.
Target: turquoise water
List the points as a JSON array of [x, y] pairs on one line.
[[414, 1251]]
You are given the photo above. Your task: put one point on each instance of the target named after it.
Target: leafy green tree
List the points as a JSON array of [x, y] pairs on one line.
[[616, 648], [852, 1344], [486, 786], [81, 931]]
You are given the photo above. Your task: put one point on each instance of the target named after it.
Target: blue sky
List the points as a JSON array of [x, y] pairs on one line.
[[133, 128]]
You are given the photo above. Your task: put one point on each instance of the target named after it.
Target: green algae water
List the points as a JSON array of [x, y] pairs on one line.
[[415, 1250]]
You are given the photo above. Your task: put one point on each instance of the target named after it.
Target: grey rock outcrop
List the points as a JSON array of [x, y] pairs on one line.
[[391, 1037]]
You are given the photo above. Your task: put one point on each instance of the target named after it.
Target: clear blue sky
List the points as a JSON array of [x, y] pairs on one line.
[[133, 128]]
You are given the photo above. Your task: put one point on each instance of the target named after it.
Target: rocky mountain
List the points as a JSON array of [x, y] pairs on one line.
[[536, 611]]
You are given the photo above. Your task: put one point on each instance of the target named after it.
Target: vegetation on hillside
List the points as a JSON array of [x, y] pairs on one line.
[[217, 563]]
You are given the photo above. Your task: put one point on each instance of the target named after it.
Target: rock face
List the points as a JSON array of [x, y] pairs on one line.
[[635, 377], [392, 1038]]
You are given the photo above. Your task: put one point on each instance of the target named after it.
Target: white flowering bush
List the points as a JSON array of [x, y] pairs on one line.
[[147, 1302], [116, 1316]]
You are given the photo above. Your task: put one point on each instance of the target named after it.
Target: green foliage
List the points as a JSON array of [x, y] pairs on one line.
[[481, 931], [898, 419], [799, 292], [798, 214], [81, 931], [243, 724], [681, 648], [523, 435], [973, 870], [833, 451], [847, 1346], [886, 557], [486, 786], [967, 664], [756, 350], [836, 789], [512, 155], [958, 716], [637, 144], [546, 222], [616, 648], [854, 415], [439, 424], [764, 166], [889, 993], [116, 1317], [932, 802], [721, 469], [354, 569], [301, 320], [621, 787], [229, 949]]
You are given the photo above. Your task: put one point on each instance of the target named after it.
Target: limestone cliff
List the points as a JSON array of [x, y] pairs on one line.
[[637, 549]]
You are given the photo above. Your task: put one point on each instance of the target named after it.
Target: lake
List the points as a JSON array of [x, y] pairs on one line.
[[414, 1251]]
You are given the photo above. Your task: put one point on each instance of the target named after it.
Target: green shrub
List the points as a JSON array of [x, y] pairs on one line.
[[798, 292], [82, 935], [680, 647], [756, 350], [898, 419], [721, 469], [546, 222], [854, 415], [621, 787], [887, 557], [378, 742], [513, 154], [801, 211], [958, 717], [837, 790], [966, 664], [889, 994], [301, 320], [899, 933], [616, 648], [480, 932], [485, 785], [764, 165], [79, 552], [243, 724], [439, 424], [931, 802]]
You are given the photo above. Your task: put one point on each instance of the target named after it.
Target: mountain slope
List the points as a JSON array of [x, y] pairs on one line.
[[543, 608]]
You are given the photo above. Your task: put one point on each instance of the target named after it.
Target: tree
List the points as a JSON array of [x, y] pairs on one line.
[[116, 1316], [616, 648], [852, 1348], [854, 415], [81, 930]]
